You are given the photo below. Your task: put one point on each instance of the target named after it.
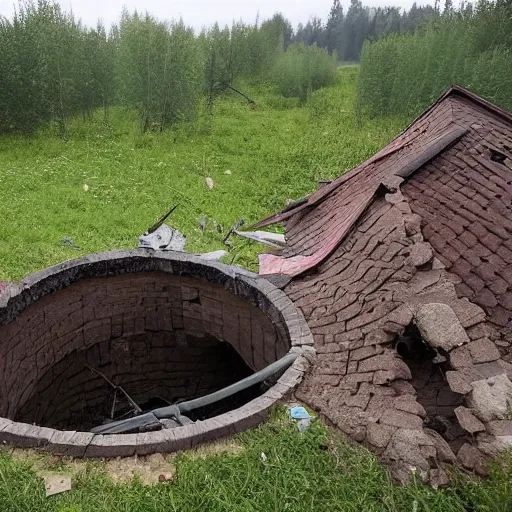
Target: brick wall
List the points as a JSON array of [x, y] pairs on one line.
[[134, 327]]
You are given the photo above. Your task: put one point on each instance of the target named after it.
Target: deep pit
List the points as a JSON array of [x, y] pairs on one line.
[[165, 330]]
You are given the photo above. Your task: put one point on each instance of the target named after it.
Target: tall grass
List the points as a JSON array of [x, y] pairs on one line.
[[405, 73], [304, 69]]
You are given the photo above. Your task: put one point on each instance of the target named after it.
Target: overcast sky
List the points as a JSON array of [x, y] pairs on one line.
[[199, 13]]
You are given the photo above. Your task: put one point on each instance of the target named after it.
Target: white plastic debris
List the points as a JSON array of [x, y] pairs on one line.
[[163, 239], [85, 187], [209, 183], [263, 457], [264, 237], [227, 171]]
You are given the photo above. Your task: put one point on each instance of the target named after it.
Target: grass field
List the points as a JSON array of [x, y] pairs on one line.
[[275, 151]]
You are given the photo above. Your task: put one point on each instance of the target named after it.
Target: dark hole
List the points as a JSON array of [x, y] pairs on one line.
[[497, 156], [428, 369], [72, 397]]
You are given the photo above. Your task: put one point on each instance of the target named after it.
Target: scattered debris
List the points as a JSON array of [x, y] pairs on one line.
[[263, 457], [69, 242], [219, 228], [237, 225], [303, 425], [227, 171], [56, 484], [85, 188], [276, 240], [299, 413], [117, 389], [209, 183], [161, 237]]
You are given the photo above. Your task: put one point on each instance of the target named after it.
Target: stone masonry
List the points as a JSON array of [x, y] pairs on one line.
[[170, 324]]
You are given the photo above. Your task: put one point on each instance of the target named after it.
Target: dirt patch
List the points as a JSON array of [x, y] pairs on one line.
[[149, 469]]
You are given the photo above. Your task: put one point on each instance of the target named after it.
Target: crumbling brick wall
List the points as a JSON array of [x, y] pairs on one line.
[[379, 281], [126, 323], [464, 197]]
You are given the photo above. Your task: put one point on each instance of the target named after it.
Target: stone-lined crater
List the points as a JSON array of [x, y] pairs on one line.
[[164, 329]]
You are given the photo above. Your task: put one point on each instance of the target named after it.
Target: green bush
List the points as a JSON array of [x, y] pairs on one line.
[[303, 69]]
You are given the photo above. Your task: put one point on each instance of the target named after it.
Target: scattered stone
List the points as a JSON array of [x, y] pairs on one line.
[[471, 458], [383, 377], [439, 325], [412, 224], [402, 316], [444, 452], [166, 477], [460, 358], [457, 382], [491, 369], [209, 183], [403, 387], [468, 421], [408, 403], [483, 351], [438, 478], [491, 397], [405, 447], [428, 451], [421, 254], [388, 362]]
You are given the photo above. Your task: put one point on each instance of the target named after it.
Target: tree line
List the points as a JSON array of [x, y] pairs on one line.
[[345, 32], [471, 46], [53, 68]]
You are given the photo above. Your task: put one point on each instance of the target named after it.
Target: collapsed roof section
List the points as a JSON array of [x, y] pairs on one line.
[[316, 225]]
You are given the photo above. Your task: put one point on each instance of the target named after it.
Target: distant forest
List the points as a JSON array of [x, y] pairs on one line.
[[52, 67], [345, 32]]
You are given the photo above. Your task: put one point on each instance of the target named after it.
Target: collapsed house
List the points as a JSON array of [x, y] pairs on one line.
[[402, 268]]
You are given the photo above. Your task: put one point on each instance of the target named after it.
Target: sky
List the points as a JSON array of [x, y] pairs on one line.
[[199, 13]]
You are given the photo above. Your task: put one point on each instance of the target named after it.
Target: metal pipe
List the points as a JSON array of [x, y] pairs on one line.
[[149, 419]]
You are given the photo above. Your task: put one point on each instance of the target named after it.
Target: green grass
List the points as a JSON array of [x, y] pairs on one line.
[[302, 472], [275, 151]]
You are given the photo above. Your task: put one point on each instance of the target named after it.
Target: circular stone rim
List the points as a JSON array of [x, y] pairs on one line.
[[16, 297]]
